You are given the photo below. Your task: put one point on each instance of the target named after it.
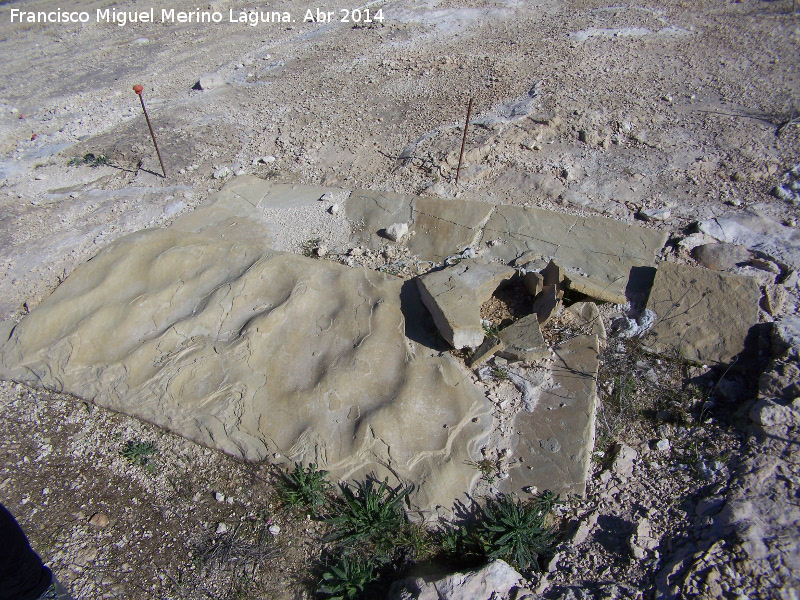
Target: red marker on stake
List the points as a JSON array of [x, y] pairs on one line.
[[138, 89]]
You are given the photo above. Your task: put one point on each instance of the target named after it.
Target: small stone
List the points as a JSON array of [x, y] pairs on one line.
[[222, 528], [623, 461], [397, 231], [274, 529], [709, 506], [655, 214], [334, 209], [222, 173], [769, 413], [210, 81], [219, 496], [662, 445], [320, 251], [774, 298], [99, 520]]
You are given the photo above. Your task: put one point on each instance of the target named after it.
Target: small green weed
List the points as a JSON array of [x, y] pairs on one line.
[[491, 330], [499, 373], [487, 467], [347, 578], [140, 453], [305, 487], [515, 531], [370, 514], [88, 159]]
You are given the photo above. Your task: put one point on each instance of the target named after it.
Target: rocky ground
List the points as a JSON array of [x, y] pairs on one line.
[[667, 114]]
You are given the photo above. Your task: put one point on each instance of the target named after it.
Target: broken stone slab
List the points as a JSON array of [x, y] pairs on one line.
[[702, 315], [256, 353], [495, 580], [588, 314], [522, 340], [596, 247], [547, 303], [534, 283], [594, 288], [454, 295], [443, 227], [556, 436], [552, 274]]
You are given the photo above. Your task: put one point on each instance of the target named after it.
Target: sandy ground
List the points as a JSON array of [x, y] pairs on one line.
[[579, 106]]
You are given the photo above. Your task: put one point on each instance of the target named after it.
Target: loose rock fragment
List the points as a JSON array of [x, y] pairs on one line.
[[397, 231]]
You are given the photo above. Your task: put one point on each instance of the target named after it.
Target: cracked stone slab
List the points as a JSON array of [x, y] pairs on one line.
[[443, 227], [602, 249], [209, 334], [702, 315], [556, 437], [454, 296], [372, 211]]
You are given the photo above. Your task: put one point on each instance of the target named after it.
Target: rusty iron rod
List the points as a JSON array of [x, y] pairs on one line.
[[463, 140], [138, 89]]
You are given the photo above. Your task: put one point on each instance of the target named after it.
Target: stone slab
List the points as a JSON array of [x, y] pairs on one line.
[[372, 211], [444, 227], [556, 438], [454, 296], [256, 352], [587, 313], [597, 247], [702, 315], [522, 340], [547, 303]]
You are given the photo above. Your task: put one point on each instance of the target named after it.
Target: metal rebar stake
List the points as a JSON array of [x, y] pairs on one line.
[[138, 89], [463, 140]]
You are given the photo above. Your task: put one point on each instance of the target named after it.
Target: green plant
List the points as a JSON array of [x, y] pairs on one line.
[[515, 531], [306, 487], [487, 467], [140, 453], [88, 159], [499, 372], [491, 330], [347, 578], [369, 514]]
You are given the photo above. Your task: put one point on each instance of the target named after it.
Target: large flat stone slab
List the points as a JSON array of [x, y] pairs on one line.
[[602, 249], [204, 331], [556, 437], [454, 296], [702, 315], [444, 227]]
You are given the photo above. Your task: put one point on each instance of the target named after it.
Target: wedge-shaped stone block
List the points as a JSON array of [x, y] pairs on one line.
[[702, 315], [596, 247], [490, 346], [587, 313], [454, 296], [444, 227], [256, 352], [594, 288], [557, 437], [547, 303], [522, 340]]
